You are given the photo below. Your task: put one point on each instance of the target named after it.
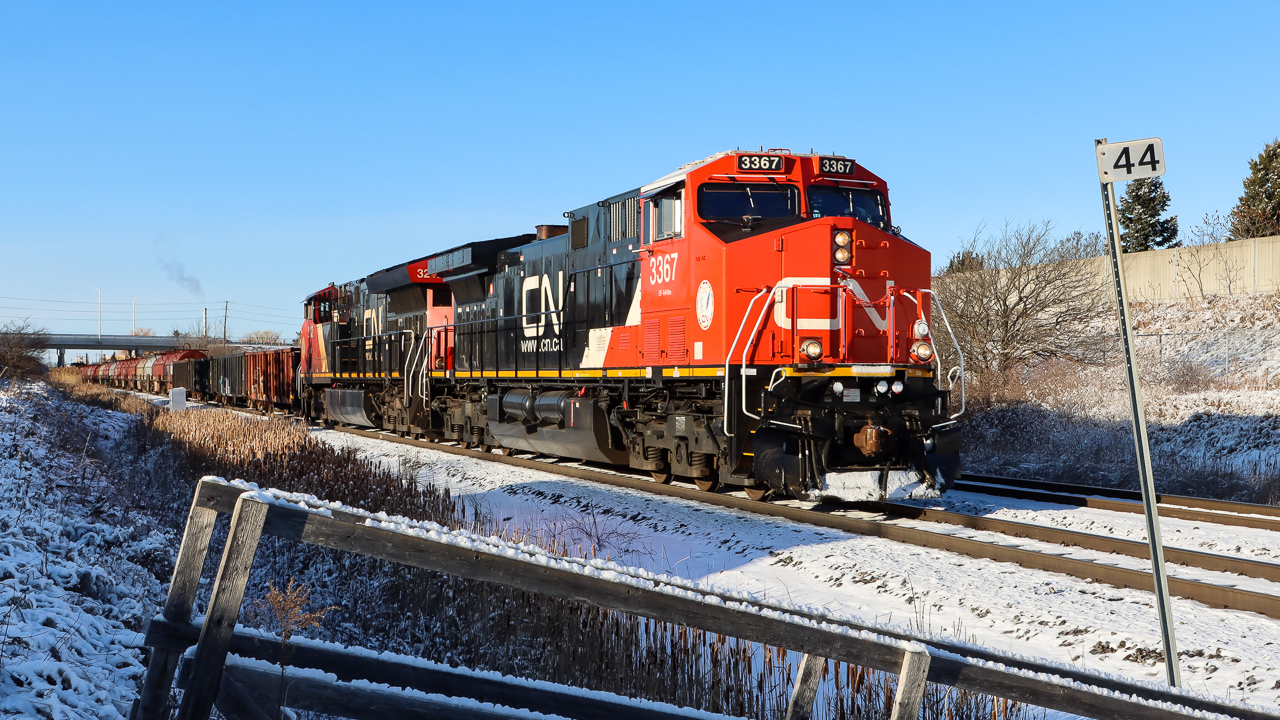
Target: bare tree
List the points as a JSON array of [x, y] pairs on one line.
[[1230, 271], [1026, 301], [21, 347], [261, 337], [1193, 262], [1207, 251], [143, 332]]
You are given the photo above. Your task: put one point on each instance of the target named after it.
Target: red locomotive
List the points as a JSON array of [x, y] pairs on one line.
[[752, 320]]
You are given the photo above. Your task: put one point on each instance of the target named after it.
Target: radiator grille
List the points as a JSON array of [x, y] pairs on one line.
[[676, 350], [624, 218], [652, 340]]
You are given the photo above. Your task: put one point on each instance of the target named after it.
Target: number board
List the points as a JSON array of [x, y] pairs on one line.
[[1131, 160], [760, 163], [836, 166]]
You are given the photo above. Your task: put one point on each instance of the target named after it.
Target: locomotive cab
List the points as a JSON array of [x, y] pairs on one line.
[[819, 312]]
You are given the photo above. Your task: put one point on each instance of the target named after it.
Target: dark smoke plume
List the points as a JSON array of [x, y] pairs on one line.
[[177, 273]]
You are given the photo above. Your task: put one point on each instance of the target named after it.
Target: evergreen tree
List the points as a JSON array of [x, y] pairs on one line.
[[1143, 203], [1257, 214], [964, 261]]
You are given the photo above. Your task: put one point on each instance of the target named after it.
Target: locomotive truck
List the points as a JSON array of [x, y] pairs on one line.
[[753, 319]]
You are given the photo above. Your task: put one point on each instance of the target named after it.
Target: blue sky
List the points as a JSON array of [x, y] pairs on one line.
[[194, 153]]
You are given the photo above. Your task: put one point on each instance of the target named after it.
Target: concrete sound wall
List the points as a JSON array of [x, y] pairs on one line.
[[1232, 268]]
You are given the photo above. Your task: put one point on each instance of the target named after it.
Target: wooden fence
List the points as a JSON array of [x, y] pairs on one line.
[[239, 687]]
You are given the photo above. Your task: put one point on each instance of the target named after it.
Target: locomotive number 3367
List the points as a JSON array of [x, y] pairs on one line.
[[662, 268]]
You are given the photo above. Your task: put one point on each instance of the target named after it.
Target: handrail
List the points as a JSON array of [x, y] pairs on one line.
[[408, 379], [729, 355], [755, 331], [959, 352]]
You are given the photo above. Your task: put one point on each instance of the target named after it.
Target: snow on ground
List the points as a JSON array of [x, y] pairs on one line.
[[1226, 653], [1210, 372], [75, 591], [1250, 543]]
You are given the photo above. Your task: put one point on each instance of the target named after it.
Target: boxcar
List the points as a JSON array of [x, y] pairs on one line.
[[192, 374], [269, 378], [226, 379]]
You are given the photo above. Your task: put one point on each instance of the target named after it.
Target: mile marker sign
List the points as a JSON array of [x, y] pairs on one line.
[[1117, 162], [1131, 160]]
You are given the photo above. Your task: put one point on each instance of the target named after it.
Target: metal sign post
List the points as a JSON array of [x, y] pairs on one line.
[[1117, 162]]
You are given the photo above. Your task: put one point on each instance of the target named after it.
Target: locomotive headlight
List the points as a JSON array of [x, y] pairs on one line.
[[921, 329], [897, 386], [812, 349], [843, 255], [923, 350], [882, 387], [837, 387], [842, 239]]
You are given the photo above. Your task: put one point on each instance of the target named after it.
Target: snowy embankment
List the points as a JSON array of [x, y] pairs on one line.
[[77, 582], [1225, 653], [1211, 382]]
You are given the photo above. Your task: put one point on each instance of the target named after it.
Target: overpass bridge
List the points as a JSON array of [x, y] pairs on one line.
[[111, 343]]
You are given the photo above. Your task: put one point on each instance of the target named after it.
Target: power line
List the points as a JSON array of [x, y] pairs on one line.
[[94, 304], [268, 315], [269, 322], [264, 307], [125, 313]]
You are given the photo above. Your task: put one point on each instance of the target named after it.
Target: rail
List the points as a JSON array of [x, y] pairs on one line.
[[1220, 512]]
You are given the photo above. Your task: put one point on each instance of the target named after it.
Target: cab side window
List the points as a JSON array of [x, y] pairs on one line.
[[669, 210]]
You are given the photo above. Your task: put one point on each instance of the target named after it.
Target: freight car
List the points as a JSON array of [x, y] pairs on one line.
[[153, 373], [750, 320], [193, 375], [270, 379], [227, 380], [262, 379]]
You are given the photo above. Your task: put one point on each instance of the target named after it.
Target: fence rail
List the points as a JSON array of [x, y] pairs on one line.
[[608, 586]]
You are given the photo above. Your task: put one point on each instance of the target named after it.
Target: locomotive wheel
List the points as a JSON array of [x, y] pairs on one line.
[[757, 492], [706, 484], [662, 477]]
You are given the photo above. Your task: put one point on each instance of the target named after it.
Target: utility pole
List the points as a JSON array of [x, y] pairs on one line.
[[225, 306], [135, 316], [99, 312], [1116, 163]]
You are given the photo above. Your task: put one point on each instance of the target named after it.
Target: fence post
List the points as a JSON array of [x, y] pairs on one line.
[[806, 687], [224, 608], [153, 701], [915, 669]]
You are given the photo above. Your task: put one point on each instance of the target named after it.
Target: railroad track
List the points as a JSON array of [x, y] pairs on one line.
[[1182, 507], [878, 525]]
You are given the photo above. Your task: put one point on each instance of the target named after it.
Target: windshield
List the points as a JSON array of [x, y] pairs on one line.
[[830, 201], [736, 201]]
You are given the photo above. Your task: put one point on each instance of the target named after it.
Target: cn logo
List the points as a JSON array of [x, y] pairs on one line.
[[544, 308], [781, 311]]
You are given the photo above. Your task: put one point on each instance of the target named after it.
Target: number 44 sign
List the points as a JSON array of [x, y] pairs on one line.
[[1131, 160]]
